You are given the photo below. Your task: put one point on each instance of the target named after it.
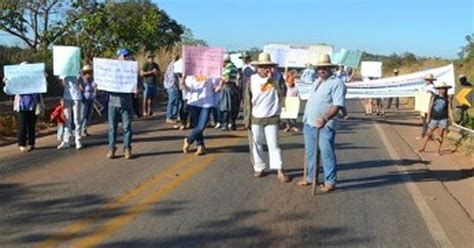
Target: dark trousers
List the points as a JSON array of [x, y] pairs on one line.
[[397, 102], [136, 105], [26, 128]]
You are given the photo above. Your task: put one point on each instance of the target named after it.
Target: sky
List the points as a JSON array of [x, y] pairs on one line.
[[434, 28]]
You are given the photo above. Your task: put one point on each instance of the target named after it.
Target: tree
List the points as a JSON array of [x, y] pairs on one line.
[[33, 21], [136, 25], [188, 39], [467, 51]]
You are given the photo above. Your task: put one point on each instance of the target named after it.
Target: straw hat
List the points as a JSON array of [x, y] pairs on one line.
[[443, 85], [227, 57], [395, 70], [429, 77], [263, 60], [87, 68], [462, 76], [324, 61]]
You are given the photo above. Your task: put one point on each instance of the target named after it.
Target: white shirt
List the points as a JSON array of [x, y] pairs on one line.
[[265, 102], [71, 89], [201, 93], [431, 88]]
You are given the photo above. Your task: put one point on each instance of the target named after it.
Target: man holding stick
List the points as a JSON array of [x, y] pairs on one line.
[[324, 102]]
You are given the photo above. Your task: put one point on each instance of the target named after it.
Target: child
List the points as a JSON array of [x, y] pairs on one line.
[[291, 91], [438, 116], [58, 116]]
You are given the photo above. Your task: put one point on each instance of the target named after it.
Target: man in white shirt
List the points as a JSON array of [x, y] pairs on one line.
[[262, 109], [430, 88]]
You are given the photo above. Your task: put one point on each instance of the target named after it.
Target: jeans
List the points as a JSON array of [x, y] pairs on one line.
[[326, 147], [266, 134], [199, 118], [174, 96], [216, 115], [183, 112], [26, 128], [72, 109], [126, 115], [88, 109]]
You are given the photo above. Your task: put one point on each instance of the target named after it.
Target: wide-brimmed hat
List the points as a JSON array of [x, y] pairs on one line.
[[462, 76], [87, 68], [264, 59], [443, 85], [324, 61], [429, 77]]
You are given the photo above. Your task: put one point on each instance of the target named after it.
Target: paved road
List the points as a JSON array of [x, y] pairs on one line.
[[164, 198]]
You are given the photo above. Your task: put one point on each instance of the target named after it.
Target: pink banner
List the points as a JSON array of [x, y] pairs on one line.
[[203, 61]]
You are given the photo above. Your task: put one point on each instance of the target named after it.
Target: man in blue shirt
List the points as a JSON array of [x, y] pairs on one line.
[[324, 102]]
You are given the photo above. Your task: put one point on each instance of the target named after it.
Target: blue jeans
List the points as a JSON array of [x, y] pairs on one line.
[[88, 109], [174, 96], [126, 114], [150, 91], [327, 149], [199, 117]]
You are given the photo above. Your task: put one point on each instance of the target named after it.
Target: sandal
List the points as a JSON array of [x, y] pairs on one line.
[[259, 174], [327, 188], [282, 178], [303, 183]]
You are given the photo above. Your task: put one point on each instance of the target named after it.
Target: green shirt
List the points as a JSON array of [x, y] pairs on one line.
[[150, 79]]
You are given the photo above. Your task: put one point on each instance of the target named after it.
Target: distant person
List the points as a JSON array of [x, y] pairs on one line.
[[73, 111], [229, 101], [201, 93], [171, 83], [150, 73], [342, 74], [429, 88], [58, 115], [463, 81], [120, 107], [440, 112], [324, 102], [263, 101], [27, 107], [291, 91], [309, 74], [397, 99], [89, 92]]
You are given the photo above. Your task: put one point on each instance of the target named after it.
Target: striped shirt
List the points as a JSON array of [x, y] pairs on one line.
[[230, 73]]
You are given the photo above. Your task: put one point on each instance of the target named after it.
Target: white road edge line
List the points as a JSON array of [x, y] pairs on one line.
[[437, 232]]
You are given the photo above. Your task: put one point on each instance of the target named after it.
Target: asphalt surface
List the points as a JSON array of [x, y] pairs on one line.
[[164, 198]]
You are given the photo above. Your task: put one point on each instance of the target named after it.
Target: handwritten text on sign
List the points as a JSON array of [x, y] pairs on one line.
[[25, 79], [203, 61], [116, 75]]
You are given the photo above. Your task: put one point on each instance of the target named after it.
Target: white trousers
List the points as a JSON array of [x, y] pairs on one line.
[[266, 134], [72, 109]]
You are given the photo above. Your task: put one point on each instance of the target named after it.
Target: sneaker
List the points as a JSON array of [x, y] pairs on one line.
[[23, 148], [200, 151], [185, 146], [169, 121], [128, 153], [111, 153], [78, 145], [218, 125], [63, 145]]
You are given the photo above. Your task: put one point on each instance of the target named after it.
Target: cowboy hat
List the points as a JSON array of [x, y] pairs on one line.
[[87, 68], [263, 60], [429, 77], [443, 85], [324, 61]]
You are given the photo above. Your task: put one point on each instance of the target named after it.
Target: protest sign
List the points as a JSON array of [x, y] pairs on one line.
[[203, 61], [371, 69], [422, 101], [66, 61], [304, 88], [278, 53], [347, 58], [291, 108], [25, 79], [178, 66], [118, 76], [236, 60], [296, 56]]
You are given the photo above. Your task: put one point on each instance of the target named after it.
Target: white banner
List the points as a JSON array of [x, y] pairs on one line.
[[304, 88], [296, 56], [401, 86], [236, 60], [25, 79], [118, 76]]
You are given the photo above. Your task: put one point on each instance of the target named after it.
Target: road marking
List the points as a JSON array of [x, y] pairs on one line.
[[439, 235], [71, 231]]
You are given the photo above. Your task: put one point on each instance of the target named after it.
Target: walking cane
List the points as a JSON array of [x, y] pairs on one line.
[[316, 165]]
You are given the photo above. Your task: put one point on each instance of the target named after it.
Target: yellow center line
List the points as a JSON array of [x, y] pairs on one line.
[[73, 230]]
